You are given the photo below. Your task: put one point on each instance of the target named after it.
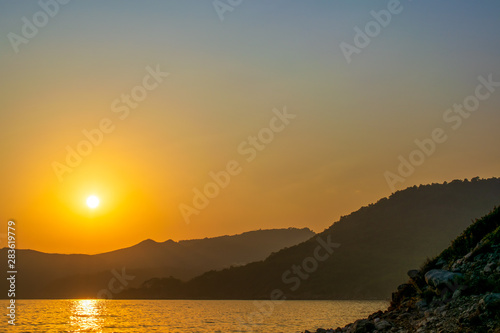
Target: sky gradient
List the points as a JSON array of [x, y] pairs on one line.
[[227, 80]]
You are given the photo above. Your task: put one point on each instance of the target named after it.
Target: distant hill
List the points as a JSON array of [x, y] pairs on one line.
[[44, 275], [377, 245]]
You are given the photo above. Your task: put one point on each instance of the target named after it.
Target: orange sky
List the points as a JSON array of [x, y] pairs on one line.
[[94, 80]]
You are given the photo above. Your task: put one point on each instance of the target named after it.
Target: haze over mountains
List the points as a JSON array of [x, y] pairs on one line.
[[44, 275], [362, 256], [378, 244]]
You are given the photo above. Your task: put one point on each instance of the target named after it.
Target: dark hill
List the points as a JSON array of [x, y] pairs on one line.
[[377, 246], [44, 275], [457, 291]]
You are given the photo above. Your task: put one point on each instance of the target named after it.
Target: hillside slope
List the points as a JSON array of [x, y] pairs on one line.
[[376, 247], [457, 291]]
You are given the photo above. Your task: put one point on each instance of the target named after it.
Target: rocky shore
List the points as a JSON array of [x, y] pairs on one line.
[[458, 291]]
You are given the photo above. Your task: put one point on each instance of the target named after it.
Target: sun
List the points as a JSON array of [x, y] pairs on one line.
[[92, 202]]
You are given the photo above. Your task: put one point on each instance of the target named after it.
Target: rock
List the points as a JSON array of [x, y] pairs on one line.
[[456, 294], [441, 262], [406, 290], [382, 325], [440, 309], [439, 278], [413, 274], [488, 268], [490, 302], [362, 326], [422, 304], [375, 315], [405, 315], [474, 318]]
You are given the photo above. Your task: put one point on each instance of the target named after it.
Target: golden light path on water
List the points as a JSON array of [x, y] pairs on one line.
[[87, 315]]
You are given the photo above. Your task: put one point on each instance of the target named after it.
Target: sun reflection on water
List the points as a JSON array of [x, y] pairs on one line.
[[87, 315]]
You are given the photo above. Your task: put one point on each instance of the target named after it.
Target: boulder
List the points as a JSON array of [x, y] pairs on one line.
[[382, 325], [489, 268], [491, 302], [441, 262], [413, 273], [406, 289], [438, 278], [362, 326], [422, 304]]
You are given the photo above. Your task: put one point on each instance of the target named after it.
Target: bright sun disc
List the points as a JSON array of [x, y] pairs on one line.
[[92, 201]]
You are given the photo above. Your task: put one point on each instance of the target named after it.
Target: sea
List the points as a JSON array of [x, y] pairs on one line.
[[191, 316]]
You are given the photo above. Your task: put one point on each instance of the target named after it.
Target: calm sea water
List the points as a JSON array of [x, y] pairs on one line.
[[183, 316]]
